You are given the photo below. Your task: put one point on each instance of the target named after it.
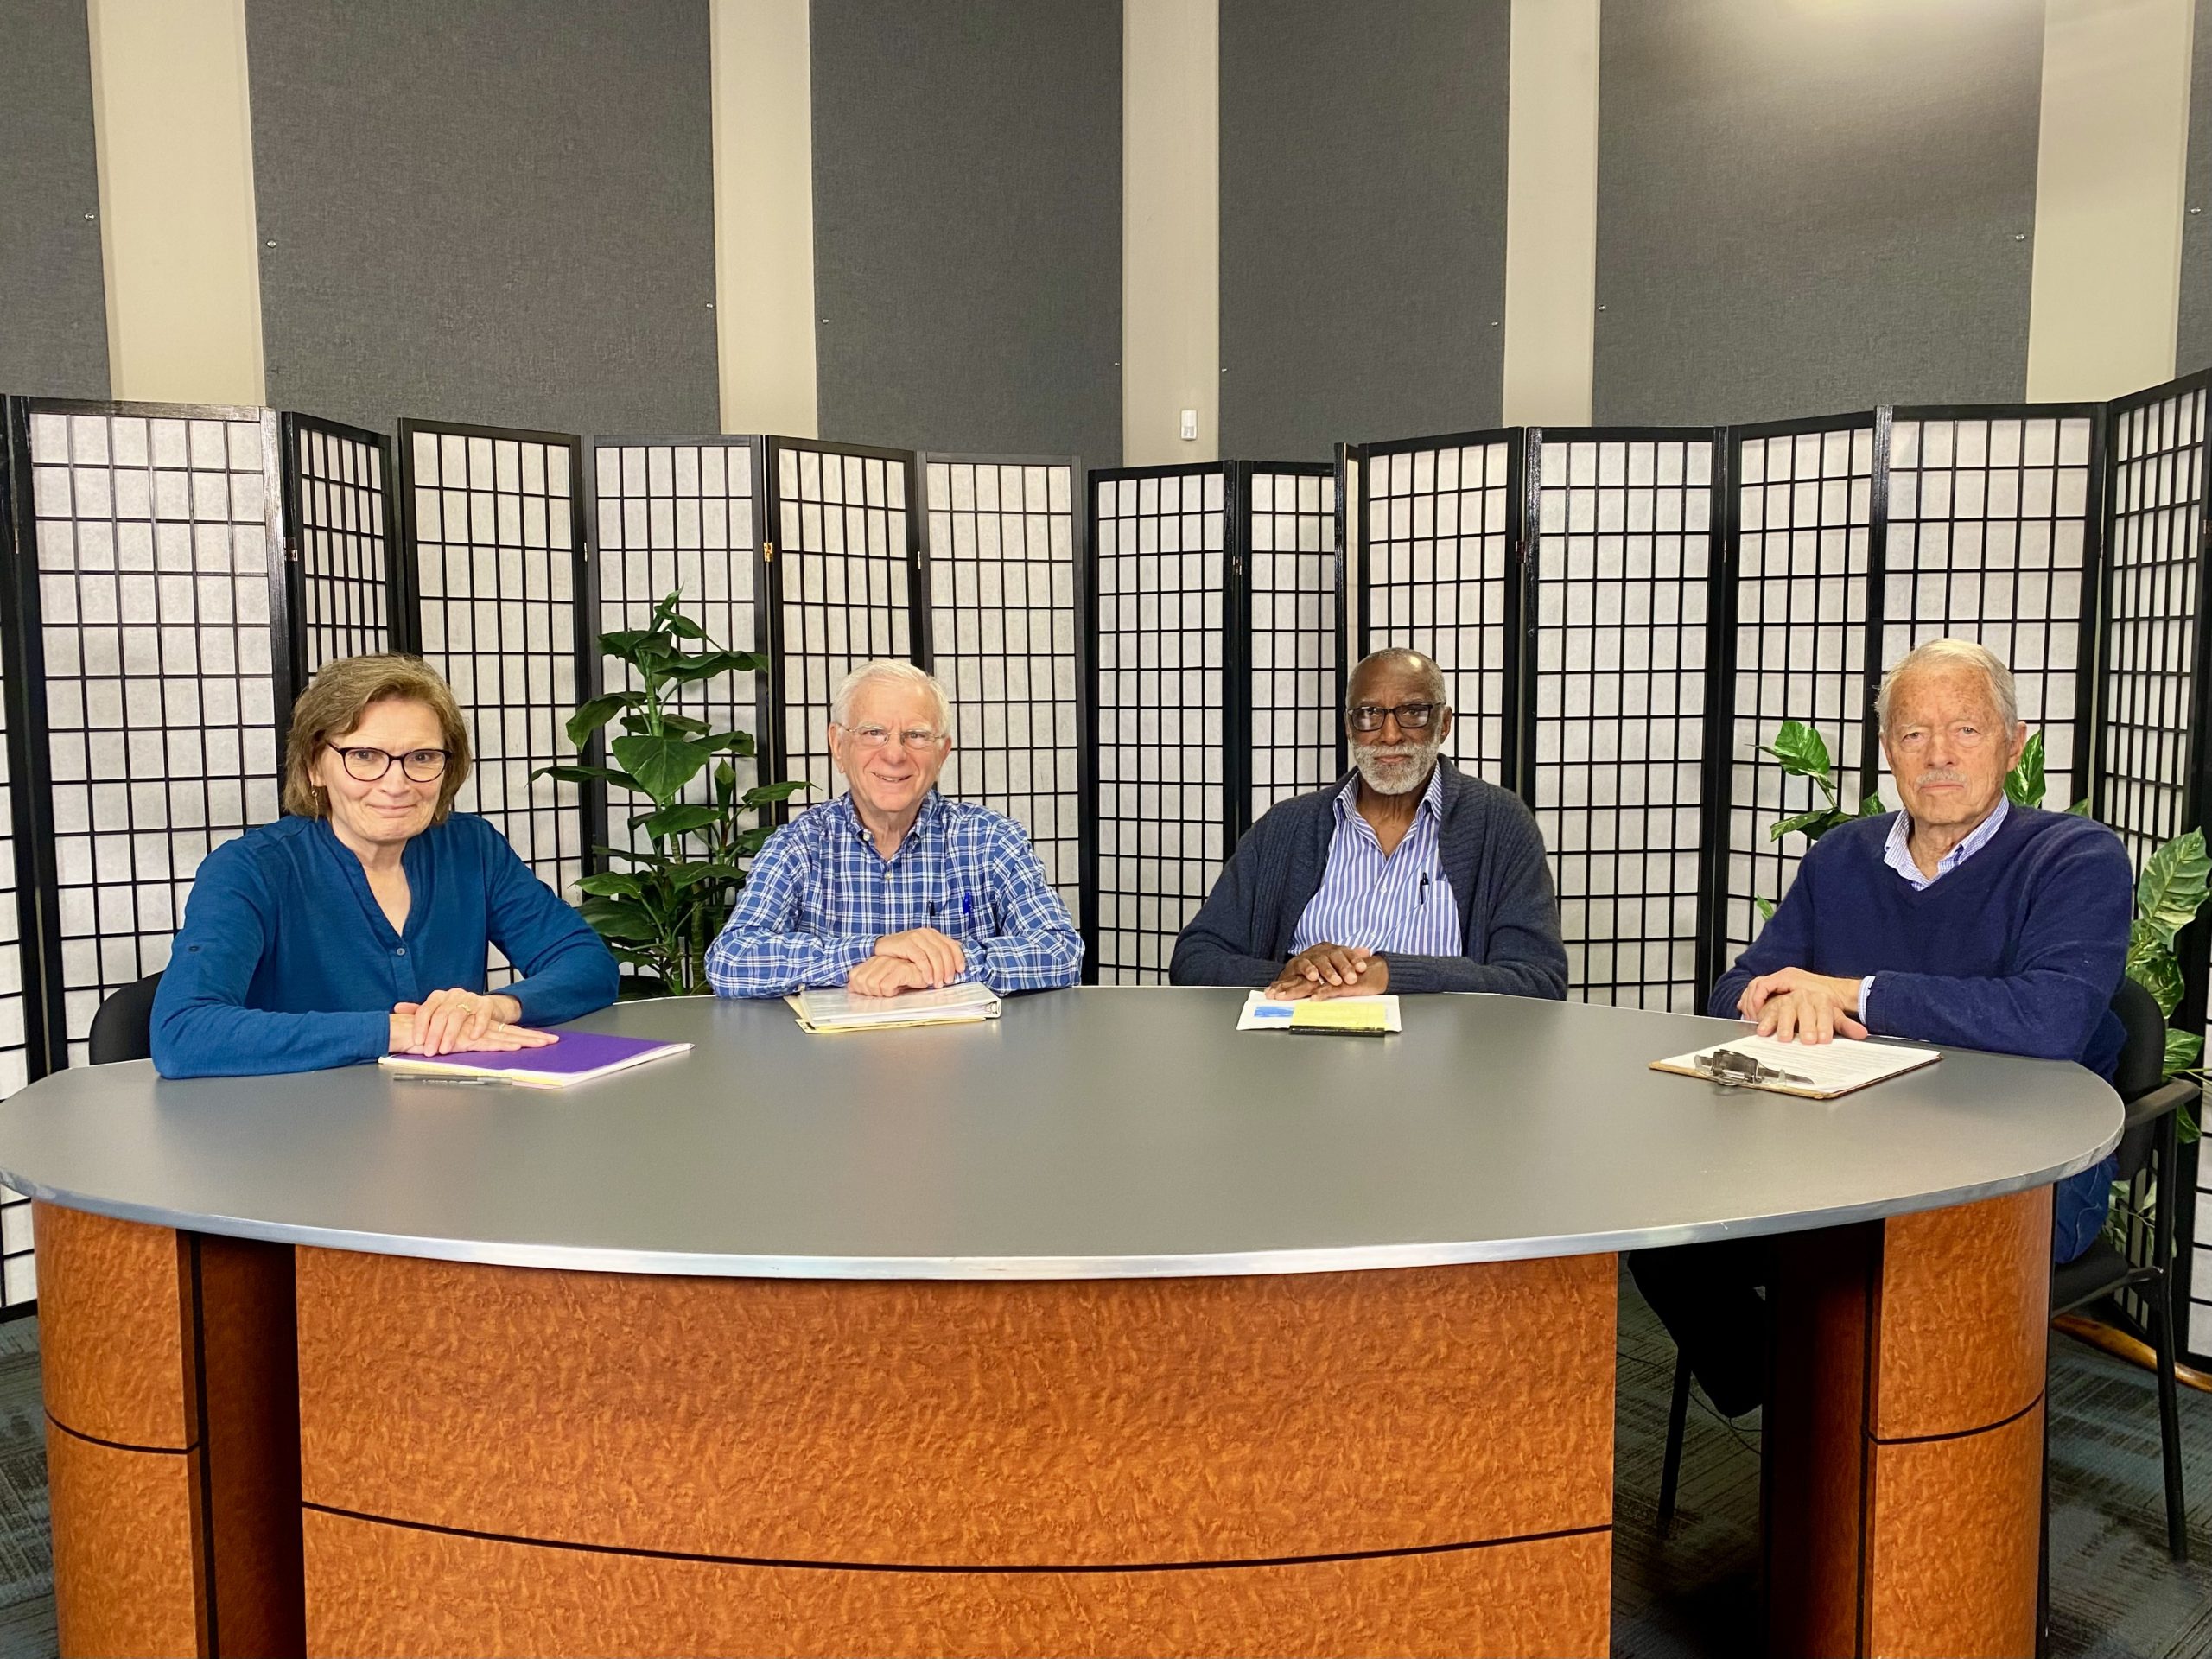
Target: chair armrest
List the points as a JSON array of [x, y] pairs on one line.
[[2170, 1095]]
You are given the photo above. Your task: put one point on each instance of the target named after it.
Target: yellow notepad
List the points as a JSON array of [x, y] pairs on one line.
[[1354, 1014]]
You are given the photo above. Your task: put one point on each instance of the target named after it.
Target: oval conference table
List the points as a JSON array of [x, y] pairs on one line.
[[1101, 1328]]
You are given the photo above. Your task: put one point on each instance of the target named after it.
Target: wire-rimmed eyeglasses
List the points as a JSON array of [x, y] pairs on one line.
[[875, 737], [1410, 716], [366, 766]]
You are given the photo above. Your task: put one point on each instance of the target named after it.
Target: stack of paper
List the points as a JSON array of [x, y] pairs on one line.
[[1356, 1016], [822, 1012]]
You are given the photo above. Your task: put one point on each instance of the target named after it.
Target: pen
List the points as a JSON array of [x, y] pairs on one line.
[[1424, 889], [406, 1077]]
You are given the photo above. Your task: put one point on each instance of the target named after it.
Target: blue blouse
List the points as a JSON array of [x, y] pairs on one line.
[[286, 961]]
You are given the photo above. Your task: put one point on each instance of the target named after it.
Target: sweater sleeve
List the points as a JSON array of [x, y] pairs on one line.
[[201, 1024], [566, 969], [2071, 949], [1786, 941], [1221, 944], [1520, 953]]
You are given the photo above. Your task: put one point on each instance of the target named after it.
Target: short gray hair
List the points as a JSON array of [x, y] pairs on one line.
[[891, 672], [1432, 684], [1941, 653]]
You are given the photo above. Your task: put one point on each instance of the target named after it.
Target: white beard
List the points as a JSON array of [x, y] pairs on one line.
[[1364, 756]]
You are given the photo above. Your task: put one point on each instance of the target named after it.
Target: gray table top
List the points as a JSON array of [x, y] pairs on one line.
[[1092, 1134]]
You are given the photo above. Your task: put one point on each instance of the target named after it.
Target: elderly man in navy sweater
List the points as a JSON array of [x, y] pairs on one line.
[[1406, 875], [1961, 920]]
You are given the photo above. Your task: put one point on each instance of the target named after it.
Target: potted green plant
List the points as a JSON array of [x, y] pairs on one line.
[[660, 914]]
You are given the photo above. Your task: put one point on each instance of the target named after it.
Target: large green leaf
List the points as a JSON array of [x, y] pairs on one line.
[[725, 784], [1764, 906], [679, 819], [762, 794], [1803, 753], [588, 775], [738, 743], [630, 644], [1872, 807], [611, 884], [2183, 1050], [651, 861], [691, 874], [1812, 825], [2151, 965], [2080, 810], [2023, 785], [620, 918], [693, 667], [2173, 886], [749, 842], [661, 765], [596, 712]]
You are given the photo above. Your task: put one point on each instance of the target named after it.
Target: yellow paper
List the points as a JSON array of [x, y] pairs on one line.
[[1341, 1016]]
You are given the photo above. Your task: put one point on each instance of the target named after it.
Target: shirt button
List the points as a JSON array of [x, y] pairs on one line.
[[401, 951]]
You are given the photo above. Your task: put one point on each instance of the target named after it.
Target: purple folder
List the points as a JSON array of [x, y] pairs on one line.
[[579, 1057]]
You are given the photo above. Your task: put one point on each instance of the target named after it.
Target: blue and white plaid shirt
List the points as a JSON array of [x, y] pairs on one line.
[[820, 896]]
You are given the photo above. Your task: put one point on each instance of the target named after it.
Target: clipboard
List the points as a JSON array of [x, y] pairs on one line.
[[1809, 1070]]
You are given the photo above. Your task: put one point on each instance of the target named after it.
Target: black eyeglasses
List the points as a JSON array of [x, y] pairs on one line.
[[366, 766], [1410, 716]]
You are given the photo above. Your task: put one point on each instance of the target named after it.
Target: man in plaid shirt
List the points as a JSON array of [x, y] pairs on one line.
[[891, 887]]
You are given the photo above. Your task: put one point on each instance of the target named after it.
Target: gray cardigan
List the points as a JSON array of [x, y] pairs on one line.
[[1488, 844]]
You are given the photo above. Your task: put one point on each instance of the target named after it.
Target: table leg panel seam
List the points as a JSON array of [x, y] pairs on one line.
[[1603, 1529], [1957, 1434], [122, 1445]]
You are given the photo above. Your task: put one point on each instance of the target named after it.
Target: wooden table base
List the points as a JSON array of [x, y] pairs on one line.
[[1904, 1442], [259, 1450]]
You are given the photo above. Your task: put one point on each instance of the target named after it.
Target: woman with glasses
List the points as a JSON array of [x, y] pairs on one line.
[[358, 925]]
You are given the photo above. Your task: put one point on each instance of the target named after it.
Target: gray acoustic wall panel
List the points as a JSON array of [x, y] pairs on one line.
[[500, 213], [53, 343], [1807, 208], [1363, 220], [968, 225], [2193, 350]]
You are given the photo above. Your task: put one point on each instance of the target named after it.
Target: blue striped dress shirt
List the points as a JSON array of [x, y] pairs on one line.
[[820, 896], [1403, 902]]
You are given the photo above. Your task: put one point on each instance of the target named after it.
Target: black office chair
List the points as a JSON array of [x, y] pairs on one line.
[[2148, 1140], [123, 1028]]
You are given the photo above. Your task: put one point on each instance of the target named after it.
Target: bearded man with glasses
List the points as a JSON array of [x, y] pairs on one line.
[[891, 887], [1406, 875], [360, 923]]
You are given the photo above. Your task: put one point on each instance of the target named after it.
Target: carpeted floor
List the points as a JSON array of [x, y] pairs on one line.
[[2114, 1595]]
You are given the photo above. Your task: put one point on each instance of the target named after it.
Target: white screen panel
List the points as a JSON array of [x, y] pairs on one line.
[[2156, 555], [680, 517], [153, 563], [1805, 506], [1988, 541], [495, 558], [1291, 573], [18, 1272], [1623, 573], [345, 563], [1162, 687], [1002, 636], [1438, 523], [845, 587]]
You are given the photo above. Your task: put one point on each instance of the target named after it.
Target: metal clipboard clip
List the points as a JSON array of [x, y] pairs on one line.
[[1732, 1071]]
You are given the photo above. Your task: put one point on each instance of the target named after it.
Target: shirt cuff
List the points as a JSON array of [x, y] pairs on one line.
[[1866, 990]]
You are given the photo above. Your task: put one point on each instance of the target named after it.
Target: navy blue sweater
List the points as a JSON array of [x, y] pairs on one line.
[[2017, 950], [286, 961], [1489, 847]]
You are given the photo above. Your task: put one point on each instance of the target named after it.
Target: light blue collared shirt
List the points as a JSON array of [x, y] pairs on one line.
[[1897, 853], [1401, 903]]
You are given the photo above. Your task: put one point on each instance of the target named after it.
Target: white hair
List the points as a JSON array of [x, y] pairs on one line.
[[1941, 653], [891, 671]]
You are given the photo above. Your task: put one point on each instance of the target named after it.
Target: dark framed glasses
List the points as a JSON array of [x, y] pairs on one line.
[[366, 766], [1410, 716]]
